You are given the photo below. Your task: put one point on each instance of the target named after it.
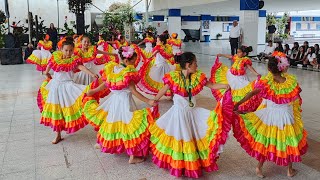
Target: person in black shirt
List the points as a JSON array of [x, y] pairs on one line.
[[53, 33], [271, 30]]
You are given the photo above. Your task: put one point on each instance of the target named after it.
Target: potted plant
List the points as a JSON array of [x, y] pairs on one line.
[[218, 36]]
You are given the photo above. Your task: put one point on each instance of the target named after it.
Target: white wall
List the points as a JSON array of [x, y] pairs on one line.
[[217, 27]]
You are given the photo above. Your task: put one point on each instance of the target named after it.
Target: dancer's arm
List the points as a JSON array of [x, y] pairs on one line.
[[217, 86], [253, 70], [225, 55], [106, 53], [46, 72], [154, 53], [98, 89], [161, 92], [137, 94], [87, 71], [246, 98], [142, 42]]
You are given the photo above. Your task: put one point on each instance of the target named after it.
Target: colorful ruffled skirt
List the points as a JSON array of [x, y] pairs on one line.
[[62, 110], [84, 78], [121, 128], [240, 87], [40, 58], [188, 140], [274, 133], [151, 77]]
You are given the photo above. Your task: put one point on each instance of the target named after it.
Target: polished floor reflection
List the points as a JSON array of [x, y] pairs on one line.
[[26, 151]]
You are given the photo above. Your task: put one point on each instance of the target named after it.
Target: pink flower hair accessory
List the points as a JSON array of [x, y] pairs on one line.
[[127, 52], [283, 63]]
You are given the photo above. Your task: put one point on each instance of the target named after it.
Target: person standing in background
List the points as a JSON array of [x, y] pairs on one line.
[[53, 33], [271, 30], [235, 37]]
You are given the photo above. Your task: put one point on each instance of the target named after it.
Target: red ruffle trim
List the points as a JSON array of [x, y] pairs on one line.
[[64, 67], [245, 144]]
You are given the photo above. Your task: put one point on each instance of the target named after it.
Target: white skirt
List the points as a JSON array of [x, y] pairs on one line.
[[84, 78], [184, 122], [158, 71], [237, 82], [64, 93], [120, 106]]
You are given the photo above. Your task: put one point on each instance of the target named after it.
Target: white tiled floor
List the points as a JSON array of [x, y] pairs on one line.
[[26, 151]]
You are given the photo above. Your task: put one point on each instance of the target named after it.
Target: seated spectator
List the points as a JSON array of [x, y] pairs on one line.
[[306, 46], [279, 47], [28, 51], [317, 52], [287, 50], [267, 51], [294, 50], [299, 57], [310, 58]]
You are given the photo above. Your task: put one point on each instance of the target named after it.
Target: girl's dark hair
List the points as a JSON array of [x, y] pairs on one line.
[[246, 49], [121, 37], [287, 46], [273, 65], [316, 49], [69, 38], [148, 33], [133, 57], [85, 36], [184, 58], [312, 50], [279, 48], [163, 38], [68, 42], [295, 46]]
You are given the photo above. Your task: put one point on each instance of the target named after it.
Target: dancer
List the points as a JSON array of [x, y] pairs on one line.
[[62, 110], [175, 43], [187, 139], [148, 41], [153, 70], [274, 133], [88, 54], [41, 56], [121, 127], [236, 77], [104, 46]]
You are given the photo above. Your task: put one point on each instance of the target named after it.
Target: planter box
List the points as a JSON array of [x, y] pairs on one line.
[[10, 56]]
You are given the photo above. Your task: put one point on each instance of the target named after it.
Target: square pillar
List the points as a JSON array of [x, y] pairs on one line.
[[205, 28], [262, 30], [249, 22], [174, 21]]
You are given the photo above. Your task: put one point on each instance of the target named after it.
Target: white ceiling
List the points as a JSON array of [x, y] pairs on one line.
[[232, 7]]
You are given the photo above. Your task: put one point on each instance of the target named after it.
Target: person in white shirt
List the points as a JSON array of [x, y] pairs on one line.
[[267, 51], [311, 58], [235, 37]]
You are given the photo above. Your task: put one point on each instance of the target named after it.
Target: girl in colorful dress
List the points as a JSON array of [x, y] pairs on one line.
[[41, 56], [121, 127], [62, 110], [148, 41], [236, 77], [175, 43], [104, 46], [188, 139], [88, 54], [274, 133], [153, 70]]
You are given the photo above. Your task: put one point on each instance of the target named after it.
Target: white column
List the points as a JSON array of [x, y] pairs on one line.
[[249, 24], [174, 21], [262, 31]]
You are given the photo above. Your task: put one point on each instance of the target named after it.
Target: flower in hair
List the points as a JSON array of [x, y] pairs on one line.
[[127, 52], [283, 62], [119, 36]]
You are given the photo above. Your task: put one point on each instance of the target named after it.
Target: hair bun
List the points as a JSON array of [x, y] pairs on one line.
[[249, 49], [177, 58]]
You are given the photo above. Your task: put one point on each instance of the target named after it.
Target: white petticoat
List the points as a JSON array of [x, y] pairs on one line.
[[62, 90], [176, 50], [148, 48], [237, 82], [84, 78], [184, 122], [276, 114]]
